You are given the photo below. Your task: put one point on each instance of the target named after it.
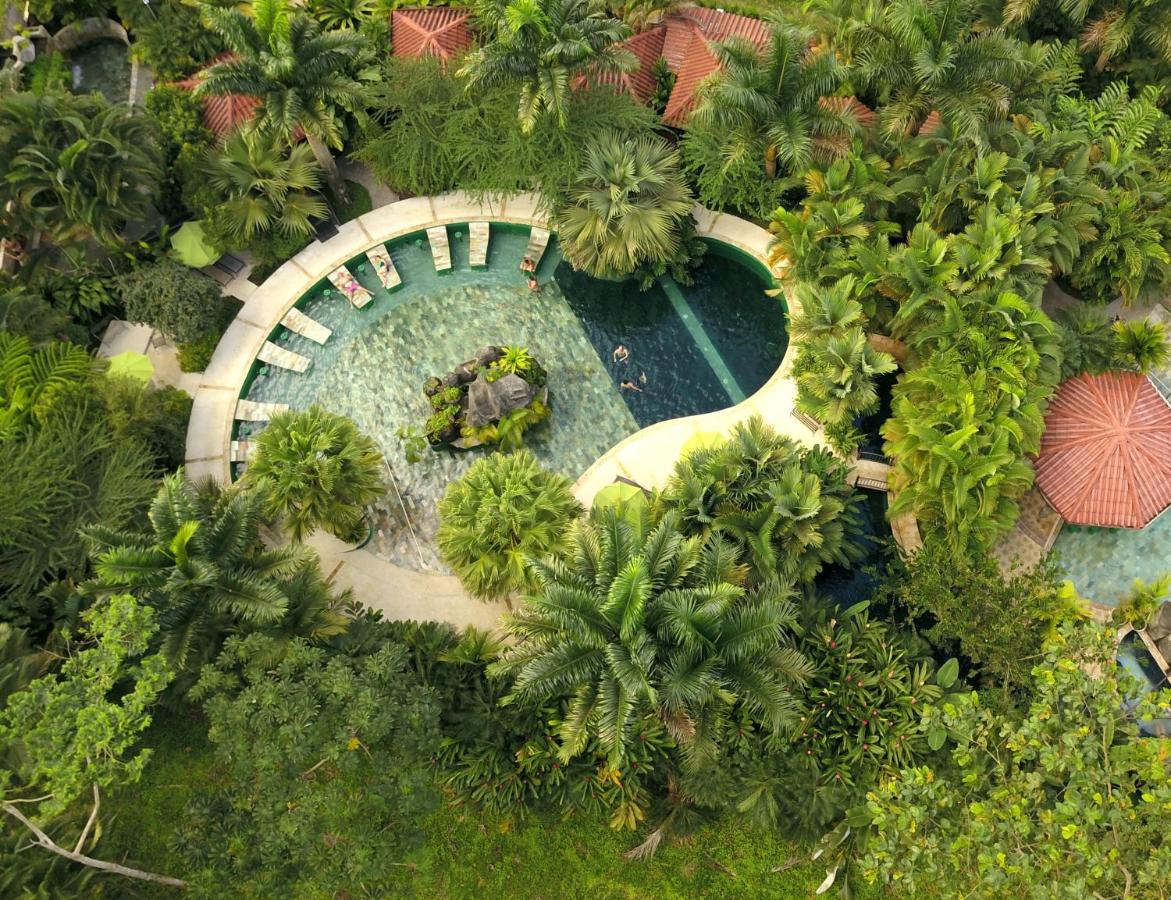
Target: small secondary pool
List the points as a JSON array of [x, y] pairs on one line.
[[104, 66], [1103, 563], [1135, 660], [693, 349]]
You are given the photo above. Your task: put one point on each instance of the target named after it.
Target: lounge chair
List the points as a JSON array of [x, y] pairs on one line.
[[384, 267], [344, 281]]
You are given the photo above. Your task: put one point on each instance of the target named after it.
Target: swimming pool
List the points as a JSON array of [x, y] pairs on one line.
[[692, 349], [1103, 563]]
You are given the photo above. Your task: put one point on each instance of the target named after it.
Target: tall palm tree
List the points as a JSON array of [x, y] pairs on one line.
[[774, 106], [75, 167], [835, 376], [920, 56], [316, 470], [543, 46], [304, 79], [503, 511], [626, 209], [632, 624], [202, 565], [265, 185]]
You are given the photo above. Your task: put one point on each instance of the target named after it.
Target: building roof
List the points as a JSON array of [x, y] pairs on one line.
[[647, 47], [222, 113], [441, 31], [1106, 452]]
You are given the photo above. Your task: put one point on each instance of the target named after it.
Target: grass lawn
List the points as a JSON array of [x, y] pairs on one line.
[[466, 855]]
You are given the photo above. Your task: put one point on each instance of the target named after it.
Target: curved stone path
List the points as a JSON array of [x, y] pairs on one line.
[[646, 457]]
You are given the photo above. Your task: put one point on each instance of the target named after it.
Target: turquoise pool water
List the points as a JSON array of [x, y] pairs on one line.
[[693, 349], [1103, 562]]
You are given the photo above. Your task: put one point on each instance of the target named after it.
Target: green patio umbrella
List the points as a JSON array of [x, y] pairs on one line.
[[132, 365], [701, 440], [628, 499], [191, 246]]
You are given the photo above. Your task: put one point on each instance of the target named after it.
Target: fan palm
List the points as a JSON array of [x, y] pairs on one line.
[[264, 186], [835, 376], [627, 207], [305, 79], [631, 624], [789, 510], [920, 56], [773, 106], [202, 565], [316, 470], [824, 311], [75, 167], [503, 511], [543, 46]]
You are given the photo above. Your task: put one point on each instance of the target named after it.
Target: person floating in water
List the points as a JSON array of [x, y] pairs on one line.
[[527, 265], [627, 385], [534, 285], [620, 354]]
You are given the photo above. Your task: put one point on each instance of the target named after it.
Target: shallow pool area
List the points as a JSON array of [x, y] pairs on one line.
[[1104, 562], [104, 66], [692, 349]]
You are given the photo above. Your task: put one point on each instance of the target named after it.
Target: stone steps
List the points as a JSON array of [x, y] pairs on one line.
[[278, 356], [440, 248], [478, 249], [297, 321]]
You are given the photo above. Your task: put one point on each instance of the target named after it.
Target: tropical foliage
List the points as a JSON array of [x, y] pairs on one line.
[[178, 301], [502, 514], [626, 210], [316, 470]]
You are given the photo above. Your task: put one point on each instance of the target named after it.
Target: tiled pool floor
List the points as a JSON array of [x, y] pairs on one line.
[[1104, 562]]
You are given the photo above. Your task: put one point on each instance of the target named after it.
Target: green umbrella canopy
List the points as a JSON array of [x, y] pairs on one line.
[[132, 365], [191, 246], [702, 440]]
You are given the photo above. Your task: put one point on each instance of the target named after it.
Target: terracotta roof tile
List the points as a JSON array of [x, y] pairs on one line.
[[1106, 452], [647, 47], [699, 62], [441, 31]]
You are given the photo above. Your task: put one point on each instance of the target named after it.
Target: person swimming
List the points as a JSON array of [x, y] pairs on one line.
[[620, 354], [534, 285], [527, 265], [627, 385]]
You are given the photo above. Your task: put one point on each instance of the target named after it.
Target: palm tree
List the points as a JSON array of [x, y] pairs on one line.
[[835, 376], [505, 510], [626, 209], [631, 624], [1110, 27], [202, 565], [544, 46], [316, 470], [1143, 601], [1087, 341], [773, 106], [265, 185], [824, 311], [922, 56], [1141, 345], [305, 79], [787, 509], [75, 167]]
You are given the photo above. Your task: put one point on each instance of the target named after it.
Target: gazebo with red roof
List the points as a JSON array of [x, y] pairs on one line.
[[1106, 453], [222, 113]]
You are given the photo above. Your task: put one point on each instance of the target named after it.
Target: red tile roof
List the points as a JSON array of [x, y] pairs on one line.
[[1106, 452], [647, 47], [698, 63], [442, 32], [222, 113]]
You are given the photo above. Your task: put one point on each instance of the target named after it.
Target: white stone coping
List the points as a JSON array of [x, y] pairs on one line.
[[646, 456]]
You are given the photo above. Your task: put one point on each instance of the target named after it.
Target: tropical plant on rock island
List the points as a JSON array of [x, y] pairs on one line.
[[316, 470], [628, 209], [1141, 345], [543, 47], [787, 509], [631, 624], [306, 80], [502, 514]]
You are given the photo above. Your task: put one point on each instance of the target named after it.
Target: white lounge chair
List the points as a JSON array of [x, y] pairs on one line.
[[384, 267], [344, 281], [440, 248], [538, 241], [479, 233]]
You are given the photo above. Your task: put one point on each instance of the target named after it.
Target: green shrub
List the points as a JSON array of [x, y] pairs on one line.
[[169, 37], [178, 301], [153, 418]]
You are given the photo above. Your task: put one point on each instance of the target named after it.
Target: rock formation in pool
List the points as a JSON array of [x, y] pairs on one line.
[[492, 398]]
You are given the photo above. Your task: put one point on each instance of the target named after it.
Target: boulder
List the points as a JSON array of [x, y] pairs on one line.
[[490, 401]]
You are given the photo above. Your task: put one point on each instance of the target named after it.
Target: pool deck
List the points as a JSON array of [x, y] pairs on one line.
[[646, 457]]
